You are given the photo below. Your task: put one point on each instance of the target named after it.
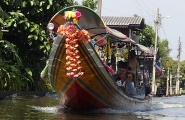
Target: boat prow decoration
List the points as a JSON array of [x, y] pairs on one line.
[[89, 20], [93, 87]]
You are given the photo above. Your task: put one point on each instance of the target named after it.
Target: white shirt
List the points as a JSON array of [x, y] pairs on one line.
[[119, 83]]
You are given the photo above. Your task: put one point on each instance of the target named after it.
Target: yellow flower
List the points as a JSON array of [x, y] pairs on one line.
[[68, 14], [75, 21], [73, 15]]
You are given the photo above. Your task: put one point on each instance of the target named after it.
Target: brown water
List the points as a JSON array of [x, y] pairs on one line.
[[47, 108]]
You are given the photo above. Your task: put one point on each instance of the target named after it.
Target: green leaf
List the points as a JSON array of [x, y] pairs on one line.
[[15, 69], [48, 6], [27, 24], [15, 25], [10, 45], [32, 29], [9, 24], [42, 46], [1, 21], [31, 2], [22, 21], [24, 4], [28, 71], [30, 36], [35, 37], [50, 2]]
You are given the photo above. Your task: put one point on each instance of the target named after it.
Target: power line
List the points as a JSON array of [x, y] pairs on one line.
[[151, 16], [142, 7], [137, 6], [114, 11], [147, 6], [164, 31]]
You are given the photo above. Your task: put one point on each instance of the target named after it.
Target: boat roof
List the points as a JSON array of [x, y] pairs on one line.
[[144, 49], [119, 36]]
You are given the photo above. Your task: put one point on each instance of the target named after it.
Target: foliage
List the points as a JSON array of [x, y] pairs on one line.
[[12, 71], [26, 22], [90, 3], [164, 52], [182, 70], [147, 36]]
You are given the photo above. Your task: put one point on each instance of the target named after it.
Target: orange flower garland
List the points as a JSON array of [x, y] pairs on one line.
[[73, 34]]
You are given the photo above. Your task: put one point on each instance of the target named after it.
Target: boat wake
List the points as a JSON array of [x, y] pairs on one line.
[[54, 109], [153, 107], [161, 105], [163, 111]]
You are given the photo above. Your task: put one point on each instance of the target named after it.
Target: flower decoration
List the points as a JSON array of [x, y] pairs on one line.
[[73, 15], [73, 35]]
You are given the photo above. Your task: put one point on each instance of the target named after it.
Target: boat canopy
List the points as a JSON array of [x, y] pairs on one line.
[[118, 36], [146, 50], [89, 20]]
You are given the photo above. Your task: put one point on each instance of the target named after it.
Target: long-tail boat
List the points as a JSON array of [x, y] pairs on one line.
[[75, 69]]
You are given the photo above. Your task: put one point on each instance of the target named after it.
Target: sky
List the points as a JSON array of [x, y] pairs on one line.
[[171, 28]]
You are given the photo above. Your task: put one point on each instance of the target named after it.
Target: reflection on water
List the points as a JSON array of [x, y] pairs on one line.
[[48, 108]]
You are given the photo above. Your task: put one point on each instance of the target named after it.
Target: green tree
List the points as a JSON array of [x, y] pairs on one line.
[[90, 3], [164, 52], [182, 72], [26, 22], [182, 69], [12, 71], [147, 36]]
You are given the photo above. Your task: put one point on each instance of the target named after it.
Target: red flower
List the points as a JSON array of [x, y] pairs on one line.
[[78, 14]]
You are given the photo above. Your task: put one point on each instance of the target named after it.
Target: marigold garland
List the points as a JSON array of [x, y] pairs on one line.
[[73, 34]]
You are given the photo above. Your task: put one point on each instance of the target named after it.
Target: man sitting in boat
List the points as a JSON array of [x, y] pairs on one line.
[[122, 81]]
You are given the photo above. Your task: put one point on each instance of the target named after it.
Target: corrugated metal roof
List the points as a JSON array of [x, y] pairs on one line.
[[123, 21]]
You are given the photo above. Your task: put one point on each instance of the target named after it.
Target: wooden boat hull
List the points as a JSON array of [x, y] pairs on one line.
[[96, 89]]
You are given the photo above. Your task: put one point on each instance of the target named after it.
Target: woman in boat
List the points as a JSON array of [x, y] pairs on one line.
[[131, 77]]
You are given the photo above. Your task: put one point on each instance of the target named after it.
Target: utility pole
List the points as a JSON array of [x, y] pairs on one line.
[[99, 7], [157, 22], [178, 68], [167, 82], [170, 84]]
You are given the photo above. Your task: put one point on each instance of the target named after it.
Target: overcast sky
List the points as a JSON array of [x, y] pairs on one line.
[[171, 28]]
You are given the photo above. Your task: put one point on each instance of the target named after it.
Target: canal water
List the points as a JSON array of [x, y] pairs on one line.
[[47, 108]]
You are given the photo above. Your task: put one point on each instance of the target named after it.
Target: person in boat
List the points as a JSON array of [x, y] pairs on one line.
[[131, 77], [132, 61], [120, 65], [130, 88], [122, 81], [125, 83]]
